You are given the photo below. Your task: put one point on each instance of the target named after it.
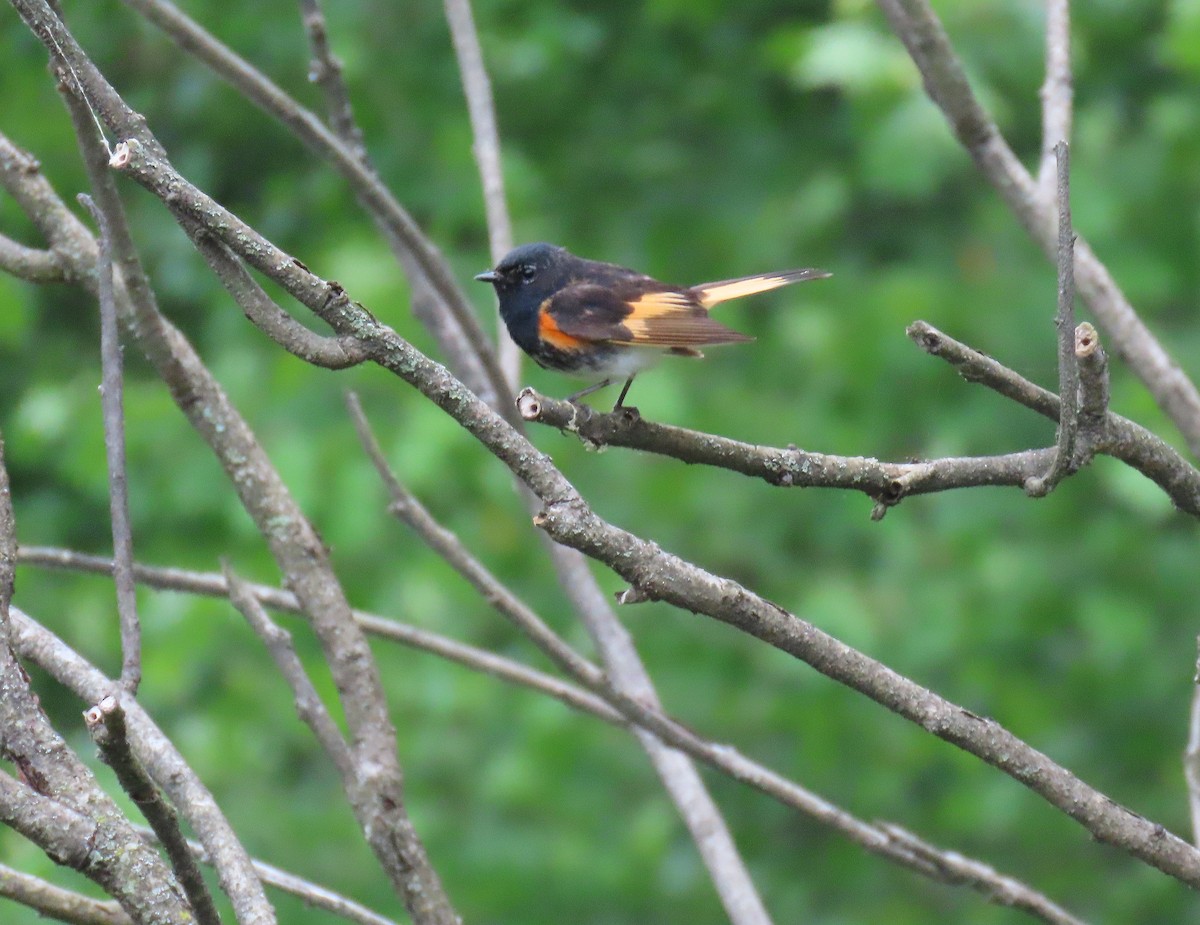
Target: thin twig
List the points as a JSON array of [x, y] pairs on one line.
[[1064, 462], [106, 724], [999, 888], [309, 706], [1191, 757], [112, 391], [9, 549], [1056, 93], [482, 111], [325, 71], [312, 894]]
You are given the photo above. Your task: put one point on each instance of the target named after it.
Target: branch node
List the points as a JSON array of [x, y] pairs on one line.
[[927, 338], [529, 404], [1087, 341], [633, 595], [121, 156], [1037, 486]]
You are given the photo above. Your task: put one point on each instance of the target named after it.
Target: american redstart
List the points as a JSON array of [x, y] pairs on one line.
[[608, 322]]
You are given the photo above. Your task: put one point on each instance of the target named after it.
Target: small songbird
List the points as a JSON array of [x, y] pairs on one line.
[[599, 320]]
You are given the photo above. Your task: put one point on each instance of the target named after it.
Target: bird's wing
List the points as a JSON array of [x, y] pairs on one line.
[[628, 314], [710, 294]]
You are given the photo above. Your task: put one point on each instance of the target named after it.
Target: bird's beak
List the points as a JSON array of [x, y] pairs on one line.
[[488, 277]]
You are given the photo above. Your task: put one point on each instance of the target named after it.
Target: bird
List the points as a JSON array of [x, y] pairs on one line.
[[602, 321]]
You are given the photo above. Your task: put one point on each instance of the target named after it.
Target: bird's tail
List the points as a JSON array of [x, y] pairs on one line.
[[710, 294]]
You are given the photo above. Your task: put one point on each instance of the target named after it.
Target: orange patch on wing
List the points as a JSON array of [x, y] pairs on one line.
[[549, 331], [655, 304]]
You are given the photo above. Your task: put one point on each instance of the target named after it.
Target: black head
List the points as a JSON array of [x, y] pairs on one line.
[[531, 269]]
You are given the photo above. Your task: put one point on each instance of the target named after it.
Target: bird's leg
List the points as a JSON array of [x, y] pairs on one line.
[[575, 396], [624, 391]]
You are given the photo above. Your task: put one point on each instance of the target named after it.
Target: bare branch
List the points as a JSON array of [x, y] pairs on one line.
[[1121, 438], [567, 519], [478, 90], [453, 341], [21, 177], [58, 805], [886, 482], [946, 83], [446, 544], [54, 902], [878, 838], [313, 894], [266, 315], [1002, 890], [482, 111], [629, 683], [29, 263], [662, 576], [9, 550], [326, 72], [376, 798], [1191, 757], [67, 836], [948, 864], [143, 158], [214, 585], [309, 706], [112, 393], [106, 724], [77, 249], [1057, 91], [1065, 461], [164, 763], [398, 226]]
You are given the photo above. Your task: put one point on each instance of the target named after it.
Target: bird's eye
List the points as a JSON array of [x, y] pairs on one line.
[[528, 272]]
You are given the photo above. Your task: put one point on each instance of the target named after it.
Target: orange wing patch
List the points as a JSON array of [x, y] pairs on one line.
[[654, 313], [551, 333], [653, 304]]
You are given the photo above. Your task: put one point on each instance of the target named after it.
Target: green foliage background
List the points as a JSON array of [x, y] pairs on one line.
[[696, 141]]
